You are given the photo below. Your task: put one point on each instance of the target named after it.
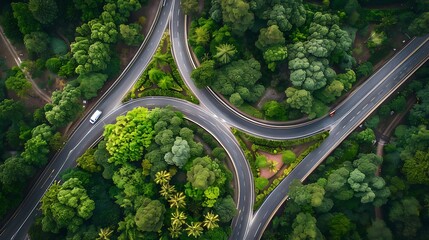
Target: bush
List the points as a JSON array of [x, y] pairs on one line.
[[53, 64], [199, 52], [162, 92], [261, 161], [288, 157], [261, 183], [364, 70], [283, 143]]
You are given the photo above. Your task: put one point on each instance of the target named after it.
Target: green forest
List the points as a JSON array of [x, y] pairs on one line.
[[74, 41], [303, 51], [149, 178], [356, 194]]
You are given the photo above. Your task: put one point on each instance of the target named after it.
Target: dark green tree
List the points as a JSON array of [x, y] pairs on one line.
[[44, 11]]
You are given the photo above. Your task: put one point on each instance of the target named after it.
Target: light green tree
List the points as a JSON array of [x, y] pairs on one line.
[[180, 153], [210, 220], [225, 52], [177, 200], [194, 229]]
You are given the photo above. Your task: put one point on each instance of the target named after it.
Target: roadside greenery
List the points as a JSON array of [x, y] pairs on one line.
[[148, 178], [161, 77], [29, 136], [27, 140], [303, 51], [254, 149], [357, 194]]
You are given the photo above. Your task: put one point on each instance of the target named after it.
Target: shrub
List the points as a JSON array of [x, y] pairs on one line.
[[53, 64], [288, 157], [261, 161], [261, 183]]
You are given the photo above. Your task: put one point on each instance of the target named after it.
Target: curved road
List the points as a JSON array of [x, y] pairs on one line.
[[349, 114], [215, 117], [20, 222]]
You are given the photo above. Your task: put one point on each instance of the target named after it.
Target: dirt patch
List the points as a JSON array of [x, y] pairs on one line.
[[265, 172], [270, 94]]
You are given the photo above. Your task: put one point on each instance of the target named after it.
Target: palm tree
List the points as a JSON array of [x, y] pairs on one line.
[[194, 229], [160, 59], [210, 220], [167, 190], [162, 177], [178, 218], [272, 166], [177, 200], [104, 233], [175, 231], [225, 52], [202, 36]]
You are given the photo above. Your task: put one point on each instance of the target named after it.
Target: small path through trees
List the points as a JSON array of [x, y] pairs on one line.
[[18, 61]]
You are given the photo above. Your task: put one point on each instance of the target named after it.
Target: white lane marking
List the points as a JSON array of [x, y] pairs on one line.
[[372, 99], [352, 118], [365, 106], [358, 113], [257, 230]]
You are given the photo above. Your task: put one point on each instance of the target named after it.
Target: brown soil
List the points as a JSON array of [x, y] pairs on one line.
[[265, 172], [270, 94]]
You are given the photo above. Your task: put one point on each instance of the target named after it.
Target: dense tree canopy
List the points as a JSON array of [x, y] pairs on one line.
[[240, 77], [44, 11], [126, 142], [66, 206], [237, 14], [64, 107]]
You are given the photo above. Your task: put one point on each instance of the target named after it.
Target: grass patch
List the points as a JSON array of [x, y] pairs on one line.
[[250, 110]]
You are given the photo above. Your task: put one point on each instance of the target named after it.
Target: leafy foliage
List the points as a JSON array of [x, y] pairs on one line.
[[65, 106]]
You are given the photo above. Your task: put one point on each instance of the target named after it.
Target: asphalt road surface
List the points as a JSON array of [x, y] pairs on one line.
[[18, 225], [348, 115]]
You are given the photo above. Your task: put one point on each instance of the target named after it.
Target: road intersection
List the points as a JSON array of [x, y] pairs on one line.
[[216, 117]]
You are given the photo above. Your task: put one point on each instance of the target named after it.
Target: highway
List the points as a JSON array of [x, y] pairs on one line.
[[18, 225], [349, 114], [215, 117], [352, 115]]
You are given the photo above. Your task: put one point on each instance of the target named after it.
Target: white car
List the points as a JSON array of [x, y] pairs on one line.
[[95, 116]]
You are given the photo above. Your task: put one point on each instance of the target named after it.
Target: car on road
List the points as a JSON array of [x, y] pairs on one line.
[[95, 116], [332, 113]]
